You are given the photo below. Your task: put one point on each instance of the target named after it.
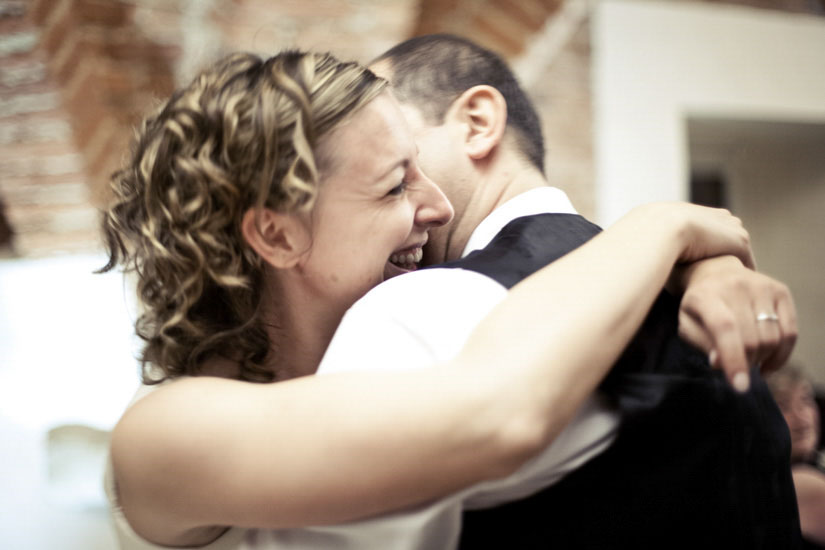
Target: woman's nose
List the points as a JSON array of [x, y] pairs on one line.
[[435, 209]]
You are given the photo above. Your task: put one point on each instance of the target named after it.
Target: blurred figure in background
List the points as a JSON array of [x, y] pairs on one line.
[[795, 396]]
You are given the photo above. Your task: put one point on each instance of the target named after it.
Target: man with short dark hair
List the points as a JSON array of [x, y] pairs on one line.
[[666, 453], [428, 75]]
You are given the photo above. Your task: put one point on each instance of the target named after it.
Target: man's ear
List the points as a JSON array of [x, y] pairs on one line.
[[279, 238], [484, 111]]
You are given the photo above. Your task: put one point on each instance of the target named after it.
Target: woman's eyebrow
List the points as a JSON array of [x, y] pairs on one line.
[[403, 163]]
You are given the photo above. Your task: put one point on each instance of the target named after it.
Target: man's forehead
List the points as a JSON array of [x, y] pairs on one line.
[[412, 113]]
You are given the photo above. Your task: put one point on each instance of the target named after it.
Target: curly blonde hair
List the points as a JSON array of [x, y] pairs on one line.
[[242, 135]]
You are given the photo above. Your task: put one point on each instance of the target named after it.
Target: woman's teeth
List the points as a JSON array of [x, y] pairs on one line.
[[407, 259]]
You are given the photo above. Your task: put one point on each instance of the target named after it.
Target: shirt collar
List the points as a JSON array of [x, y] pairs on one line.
[[541, 200]]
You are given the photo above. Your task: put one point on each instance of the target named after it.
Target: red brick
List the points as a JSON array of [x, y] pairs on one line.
[[57, 26], [489, 32], [11, 25], [106, 148], [434, 14], [41, 149], [109, 13], [265, 10], [42, 179], [67, 58], [532, 14], [33, 80], [37, 11], [552, 5]]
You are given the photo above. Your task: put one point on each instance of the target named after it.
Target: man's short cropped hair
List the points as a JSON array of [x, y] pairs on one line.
[[432, 71]]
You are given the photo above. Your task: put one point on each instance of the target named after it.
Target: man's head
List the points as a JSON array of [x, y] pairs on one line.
[[430, 72], [478, 134]]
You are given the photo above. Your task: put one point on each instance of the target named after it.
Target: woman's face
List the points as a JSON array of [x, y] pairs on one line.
[[802, 415], [374, 206]]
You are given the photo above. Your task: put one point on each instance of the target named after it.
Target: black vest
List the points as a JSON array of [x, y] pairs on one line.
[[694, 464]]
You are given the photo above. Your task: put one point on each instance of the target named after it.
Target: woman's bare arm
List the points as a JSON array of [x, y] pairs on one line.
[[207, 452]]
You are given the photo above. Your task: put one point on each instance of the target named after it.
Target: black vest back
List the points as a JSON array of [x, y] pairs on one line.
[[694, 464]]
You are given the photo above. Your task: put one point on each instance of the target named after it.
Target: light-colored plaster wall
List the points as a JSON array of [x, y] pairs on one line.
[[656, 62]]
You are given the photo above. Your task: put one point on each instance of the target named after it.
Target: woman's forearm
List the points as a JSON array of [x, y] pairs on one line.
[[561, 329]]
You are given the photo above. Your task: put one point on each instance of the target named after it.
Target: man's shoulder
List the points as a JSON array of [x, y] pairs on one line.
[[526, 244]]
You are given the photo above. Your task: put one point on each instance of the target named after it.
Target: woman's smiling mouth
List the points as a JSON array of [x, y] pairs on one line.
[[407, 259]]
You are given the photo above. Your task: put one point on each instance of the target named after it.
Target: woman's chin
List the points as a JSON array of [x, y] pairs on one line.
[[391, 270]]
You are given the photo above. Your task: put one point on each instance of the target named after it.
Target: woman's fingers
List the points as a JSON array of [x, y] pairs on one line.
[[788, 332], [711, 326], [767, 331], [739, 317]]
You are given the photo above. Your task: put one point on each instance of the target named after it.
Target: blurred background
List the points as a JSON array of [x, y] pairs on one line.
[[721, 102]]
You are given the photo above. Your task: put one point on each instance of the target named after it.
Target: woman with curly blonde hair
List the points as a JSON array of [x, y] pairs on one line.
[[260, 203]]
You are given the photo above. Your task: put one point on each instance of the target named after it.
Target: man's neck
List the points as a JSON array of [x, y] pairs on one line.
[[448, 243]]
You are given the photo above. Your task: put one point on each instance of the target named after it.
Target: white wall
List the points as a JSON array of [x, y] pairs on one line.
[[65, 341], [656, 62]]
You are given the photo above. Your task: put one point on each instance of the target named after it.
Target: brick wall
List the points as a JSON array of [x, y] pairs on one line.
[[561, 90], [42, 181], [107, 70], [76, 75], [504, 26]]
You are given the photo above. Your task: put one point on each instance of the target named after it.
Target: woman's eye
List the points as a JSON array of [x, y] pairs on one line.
[[398, 189]]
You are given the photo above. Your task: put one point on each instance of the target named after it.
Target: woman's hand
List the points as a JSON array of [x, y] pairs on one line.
[[738, 318], [701, 232], [728, 311]]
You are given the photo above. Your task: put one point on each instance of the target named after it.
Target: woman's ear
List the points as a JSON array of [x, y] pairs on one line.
[[484, 111], [279, 238]]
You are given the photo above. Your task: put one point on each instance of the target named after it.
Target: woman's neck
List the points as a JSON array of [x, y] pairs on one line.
[[301, 345], [300, 329]]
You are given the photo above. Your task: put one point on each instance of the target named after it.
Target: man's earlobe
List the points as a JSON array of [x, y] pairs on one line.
[[485, 112], [280, 239]]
